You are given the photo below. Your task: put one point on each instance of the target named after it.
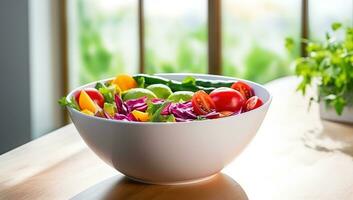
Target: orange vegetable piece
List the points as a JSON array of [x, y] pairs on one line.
[[140, 116], [85, 102], [125, 82], [87, 112], [225, 113]]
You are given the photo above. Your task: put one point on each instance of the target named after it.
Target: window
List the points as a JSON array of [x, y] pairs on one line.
[[176, 36], [253, 37], [102, 39], [323, 13], [104, 36]]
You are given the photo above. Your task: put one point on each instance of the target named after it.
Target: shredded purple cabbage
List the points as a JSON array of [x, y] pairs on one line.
[[122, 117], [211, 115], [107, 116], [131, 117], [142, 108], [177, 119], [156, 100], [166, 110], [121, 107], [139, 104], [182, 110], [124, 108]]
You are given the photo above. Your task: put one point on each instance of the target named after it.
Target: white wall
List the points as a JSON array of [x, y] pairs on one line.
[[45, 66], [14, 75]]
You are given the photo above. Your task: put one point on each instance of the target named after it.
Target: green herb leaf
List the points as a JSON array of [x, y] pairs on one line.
[[152, 108], [200, 118], [170, 118], [154, 111], [140, 82], [99, 85], [156, 116], [108, 93], [65, 103], [189, 81]]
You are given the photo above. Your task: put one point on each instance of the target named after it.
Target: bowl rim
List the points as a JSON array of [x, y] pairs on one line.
[[266, 104]]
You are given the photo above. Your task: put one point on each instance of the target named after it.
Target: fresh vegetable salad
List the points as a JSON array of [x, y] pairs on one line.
[[147, 98]]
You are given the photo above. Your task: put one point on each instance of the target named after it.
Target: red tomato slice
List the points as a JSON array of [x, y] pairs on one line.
[[252, 103], [94, 94], [202, 103], [227, 99], [244, 89]]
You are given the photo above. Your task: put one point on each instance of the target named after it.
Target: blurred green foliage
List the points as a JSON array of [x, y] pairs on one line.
[[261, 65], [188, 58], [97, 62]]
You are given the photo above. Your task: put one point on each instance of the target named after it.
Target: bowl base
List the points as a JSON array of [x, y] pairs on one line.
[[192, 181]]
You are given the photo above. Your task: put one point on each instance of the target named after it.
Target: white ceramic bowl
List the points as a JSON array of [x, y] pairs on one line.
[[171, 153]]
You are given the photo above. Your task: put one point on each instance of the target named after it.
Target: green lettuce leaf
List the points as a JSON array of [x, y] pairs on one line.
[[108, 93], [154, 111], [72, 104]]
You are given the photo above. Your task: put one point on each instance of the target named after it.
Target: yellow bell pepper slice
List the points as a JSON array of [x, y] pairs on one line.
[[140, 116], [85, 102], [87, 112], [125, 82], [117, 88]]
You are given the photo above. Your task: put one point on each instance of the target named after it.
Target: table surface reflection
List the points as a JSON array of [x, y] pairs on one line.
[[220, 186]]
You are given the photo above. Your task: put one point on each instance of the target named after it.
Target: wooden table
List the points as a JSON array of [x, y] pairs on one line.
[[294, 156]]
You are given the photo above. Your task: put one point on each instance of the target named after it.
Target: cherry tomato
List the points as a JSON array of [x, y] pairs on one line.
[[202, 103], [94, 94], [244, 89], [252, 103], [227, 99]]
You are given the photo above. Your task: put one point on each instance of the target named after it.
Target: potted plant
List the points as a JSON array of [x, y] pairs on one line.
[[329, 65]]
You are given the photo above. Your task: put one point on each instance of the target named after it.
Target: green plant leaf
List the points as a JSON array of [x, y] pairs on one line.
[[336, 25], [339, 104], [289, 43], [330, 97], [331, 62]]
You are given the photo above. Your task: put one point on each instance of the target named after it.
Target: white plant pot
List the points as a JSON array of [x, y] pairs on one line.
[[329, 113]]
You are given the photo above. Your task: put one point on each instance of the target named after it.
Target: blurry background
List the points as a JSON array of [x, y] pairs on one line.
[[50, 47]]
